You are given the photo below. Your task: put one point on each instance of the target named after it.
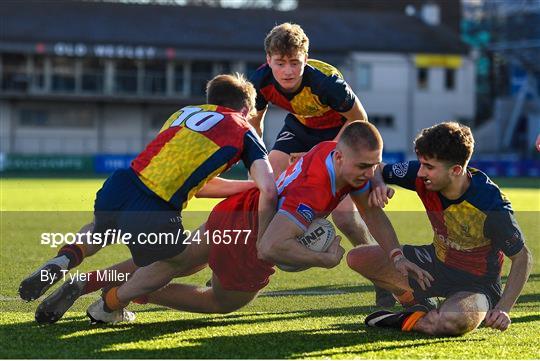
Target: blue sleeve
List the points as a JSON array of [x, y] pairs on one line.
[[260, 102], [403, 174], [338, 94], [253, 149], [257, 80], [502, 229]]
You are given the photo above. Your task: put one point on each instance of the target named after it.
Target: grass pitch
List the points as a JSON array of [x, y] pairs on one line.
[[313, 314]]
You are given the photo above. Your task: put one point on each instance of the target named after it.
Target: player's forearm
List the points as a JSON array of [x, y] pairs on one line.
[[380, 228], [290, 252], [267, 209], [517, 277], [261, 172], [221, 188]]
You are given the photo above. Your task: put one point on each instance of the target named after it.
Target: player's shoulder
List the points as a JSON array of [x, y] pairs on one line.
[[486, 195], [318, 163], [323, 78], [322, 150], [261, 77], [322, 69]]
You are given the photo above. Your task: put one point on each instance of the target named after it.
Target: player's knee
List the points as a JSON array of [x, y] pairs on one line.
[[225, 308], [354, 260], [358, 259], [455, 324]]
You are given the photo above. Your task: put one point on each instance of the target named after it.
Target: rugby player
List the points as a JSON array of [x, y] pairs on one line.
[[474, 227], [195, 145], [319, 102], [310, 188]]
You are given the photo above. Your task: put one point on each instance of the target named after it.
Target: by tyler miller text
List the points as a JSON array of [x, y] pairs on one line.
[[101, 275]]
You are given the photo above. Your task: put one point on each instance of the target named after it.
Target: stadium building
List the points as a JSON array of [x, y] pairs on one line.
[[96, 78]]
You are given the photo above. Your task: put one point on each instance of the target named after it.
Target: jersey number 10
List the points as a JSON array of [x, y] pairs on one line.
[[197, 119]]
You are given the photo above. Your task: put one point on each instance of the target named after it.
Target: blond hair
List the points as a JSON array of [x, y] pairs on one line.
[[286, 39]]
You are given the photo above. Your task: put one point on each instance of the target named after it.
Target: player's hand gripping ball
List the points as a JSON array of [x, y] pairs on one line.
[[318, 237]]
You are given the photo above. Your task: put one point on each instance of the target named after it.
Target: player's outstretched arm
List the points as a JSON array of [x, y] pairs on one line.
[[382, 230], [222, 188], [262, 175], [279, 245], [498, 317]]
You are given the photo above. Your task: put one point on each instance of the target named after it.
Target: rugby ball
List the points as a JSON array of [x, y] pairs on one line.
[[318, 237]]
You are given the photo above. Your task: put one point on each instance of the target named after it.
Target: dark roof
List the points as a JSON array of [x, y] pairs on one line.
[[217, 29]]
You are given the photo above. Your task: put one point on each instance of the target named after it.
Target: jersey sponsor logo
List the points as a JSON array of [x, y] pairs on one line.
[[423, 255], [400, 169], [284, 136], [306, 212]]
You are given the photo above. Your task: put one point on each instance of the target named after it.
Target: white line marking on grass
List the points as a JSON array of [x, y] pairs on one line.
[[11, 299]]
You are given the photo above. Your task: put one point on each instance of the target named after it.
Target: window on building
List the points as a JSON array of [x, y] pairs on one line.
[[56, 118], [201, 72], [33, 118], [179, 86], [93, 75], [14, 72], [383, 121], [38, 73], [422, 78], [155, 77], [63, 74], [125, 79], [449, 79], [363, 77]]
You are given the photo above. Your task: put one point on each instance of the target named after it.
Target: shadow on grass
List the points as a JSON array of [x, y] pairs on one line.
[[77, 339], [319, 290], [525, 319]]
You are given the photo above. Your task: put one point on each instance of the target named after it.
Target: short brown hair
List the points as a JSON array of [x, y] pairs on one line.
[[448, 141], [361, 135], [232, 91], [286, 39]]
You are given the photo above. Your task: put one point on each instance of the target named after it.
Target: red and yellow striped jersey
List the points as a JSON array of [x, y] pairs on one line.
[[317, 104], [195, 144]]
